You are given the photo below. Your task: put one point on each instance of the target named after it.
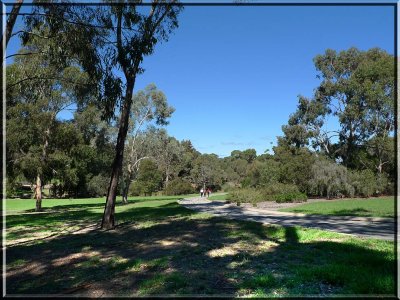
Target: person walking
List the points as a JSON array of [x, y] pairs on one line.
[[201, 192], [208, 192]]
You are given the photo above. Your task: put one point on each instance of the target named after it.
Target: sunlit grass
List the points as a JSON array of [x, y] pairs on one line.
[[30, 204], [375, 207]]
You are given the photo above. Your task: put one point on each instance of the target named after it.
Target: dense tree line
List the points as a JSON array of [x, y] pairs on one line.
[[75, 155]]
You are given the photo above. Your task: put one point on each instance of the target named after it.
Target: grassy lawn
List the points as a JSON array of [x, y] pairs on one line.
[[217, 197], [30, 204], [161, 248], [376, 207]]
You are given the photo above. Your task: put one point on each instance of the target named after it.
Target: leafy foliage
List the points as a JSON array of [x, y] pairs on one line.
[[178, 187], [148, 181]]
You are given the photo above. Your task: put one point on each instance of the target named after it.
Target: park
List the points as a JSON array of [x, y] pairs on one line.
[[135, 170]]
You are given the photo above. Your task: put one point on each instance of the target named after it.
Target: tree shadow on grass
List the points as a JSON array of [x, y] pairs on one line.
[[184, 254], [64, 207]]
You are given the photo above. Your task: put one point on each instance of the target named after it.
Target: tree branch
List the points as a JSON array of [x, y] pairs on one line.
[[46, 78], [25, 53]]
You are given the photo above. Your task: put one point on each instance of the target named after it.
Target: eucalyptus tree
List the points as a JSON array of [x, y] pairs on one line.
[[5, 38], [188, 156], [111, 41], [37, 102], [148, 105], [7, 33], [94, 156], [207, 171], [357, 89], [306, 126], [168, 153], [134, 35]]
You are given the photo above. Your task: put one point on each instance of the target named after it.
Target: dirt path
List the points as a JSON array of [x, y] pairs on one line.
[[381, 228]]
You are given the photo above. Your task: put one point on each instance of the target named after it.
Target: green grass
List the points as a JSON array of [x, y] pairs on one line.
[[376, 207], [162, 248], [29, 204], [218, 197]]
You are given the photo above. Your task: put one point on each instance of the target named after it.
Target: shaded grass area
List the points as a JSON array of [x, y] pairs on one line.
[[29, 204], [162, 248], [375, 207]]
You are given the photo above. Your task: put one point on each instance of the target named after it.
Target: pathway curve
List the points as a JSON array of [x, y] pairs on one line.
[[381, 228]]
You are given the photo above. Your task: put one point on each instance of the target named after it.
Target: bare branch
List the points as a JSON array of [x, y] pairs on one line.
[[32, 33], [46, 78], [26, 53]]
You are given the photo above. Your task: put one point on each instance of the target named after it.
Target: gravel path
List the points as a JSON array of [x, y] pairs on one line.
[[381, 228]]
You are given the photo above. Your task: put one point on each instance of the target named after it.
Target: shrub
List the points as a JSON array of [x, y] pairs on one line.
[[135, 189], [96, 187], [330, 179], [364, 182], [178, 187], [383, 185], [19, 191], [247, 195], [279, 188], [278, 192], [290, 197], [228, 186]]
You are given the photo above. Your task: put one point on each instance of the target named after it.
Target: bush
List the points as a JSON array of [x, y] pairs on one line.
[[383, 185], [279, 188], [278, 192], [97, 186], [290, 197], [178, 187], [19, 191], [135, 189], [228, 186], [364, 182], [247, 195], [330, 179]]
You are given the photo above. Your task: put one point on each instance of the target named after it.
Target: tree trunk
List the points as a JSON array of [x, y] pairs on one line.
[[108, 221], [9, 26], [38, 193], [166, 178], [125, 191], [380, 166]]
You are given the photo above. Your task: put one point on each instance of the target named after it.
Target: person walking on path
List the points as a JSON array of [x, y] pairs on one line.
[[208, 192], [201, 192]]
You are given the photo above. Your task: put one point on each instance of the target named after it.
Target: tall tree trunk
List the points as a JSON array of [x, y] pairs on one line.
[[125, 191], [38, 193], [12, 19], [108, 221], [5, 38]]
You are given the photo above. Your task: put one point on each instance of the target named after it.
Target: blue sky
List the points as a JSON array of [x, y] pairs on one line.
[[234, 73]]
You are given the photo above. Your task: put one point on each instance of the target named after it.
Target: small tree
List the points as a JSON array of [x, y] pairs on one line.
[[37, 103], [149, 179], [330, 179], [115, 37], [148, 105]]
